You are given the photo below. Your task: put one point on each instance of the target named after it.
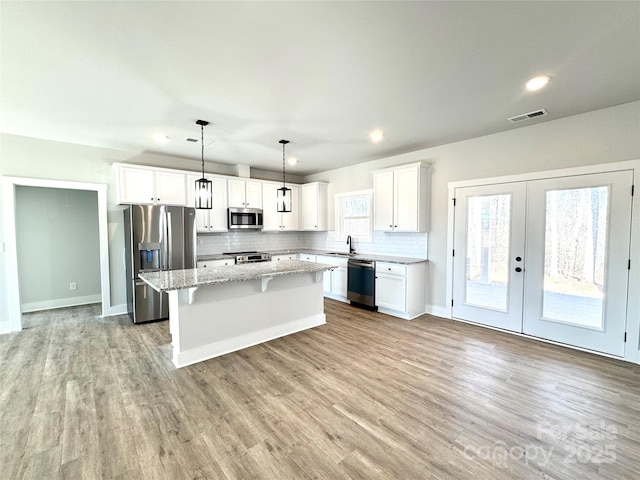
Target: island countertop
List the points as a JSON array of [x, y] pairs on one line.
[[166, 281]]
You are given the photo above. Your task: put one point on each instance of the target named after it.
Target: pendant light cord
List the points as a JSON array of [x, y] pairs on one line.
[[202, 143], [283, 183]]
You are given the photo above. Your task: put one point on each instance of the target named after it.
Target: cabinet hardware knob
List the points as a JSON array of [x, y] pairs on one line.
[[391, 226], [518, 269], [518, 259]]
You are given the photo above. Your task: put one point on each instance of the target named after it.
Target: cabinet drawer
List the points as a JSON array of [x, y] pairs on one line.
[[307, 258], [215, 263], [391, 268], [277, 258]]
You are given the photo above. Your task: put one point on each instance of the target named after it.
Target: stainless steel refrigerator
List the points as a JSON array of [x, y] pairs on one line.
[[157, 237]]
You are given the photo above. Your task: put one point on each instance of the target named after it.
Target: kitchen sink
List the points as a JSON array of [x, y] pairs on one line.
[[340, 254]]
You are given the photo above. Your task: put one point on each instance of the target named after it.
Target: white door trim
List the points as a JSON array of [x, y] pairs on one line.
[[632, 352], [9, 214]]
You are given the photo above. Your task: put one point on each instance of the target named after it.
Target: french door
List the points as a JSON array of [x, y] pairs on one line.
[[548, 258]]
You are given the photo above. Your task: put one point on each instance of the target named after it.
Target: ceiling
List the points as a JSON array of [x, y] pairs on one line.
[[320, 74]]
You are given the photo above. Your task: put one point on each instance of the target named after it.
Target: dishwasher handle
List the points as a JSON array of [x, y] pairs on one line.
[[361, 264]]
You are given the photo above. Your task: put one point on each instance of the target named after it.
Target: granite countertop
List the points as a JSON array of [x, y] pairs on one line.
[[366, 256], [359, 256], [198, 277]]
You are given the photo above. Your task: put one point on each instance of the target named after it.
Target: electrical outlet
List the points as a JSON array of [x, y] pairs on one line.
[[73, 286]]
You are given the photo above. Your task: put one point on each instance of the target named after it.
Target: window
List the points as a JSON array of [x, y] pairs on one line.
[[353, 215]]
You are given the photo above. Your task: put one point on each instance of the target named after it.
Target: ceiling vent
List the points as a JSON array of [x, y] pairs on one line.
[[527, 116]]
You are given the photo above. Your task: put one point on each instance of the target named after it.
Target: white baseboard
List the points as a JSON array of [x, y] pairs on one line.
[[229, 345], [438, 311], [115, 310], [5, 327], [60, 303]]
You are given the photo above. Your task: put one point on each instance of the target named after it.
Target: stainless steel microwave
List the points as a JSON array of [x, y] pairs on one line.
[[244, 218]]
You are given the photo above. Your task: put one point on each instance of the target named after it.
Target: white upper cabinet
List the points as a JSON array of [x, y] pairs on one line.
[[274, 220], [401, 198], [245, 193], [314, 215], [140, 185], [214, 220]]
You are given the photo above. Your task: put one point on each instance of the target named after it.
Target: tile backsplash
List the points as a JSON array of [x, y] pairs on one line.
[[398, 244]]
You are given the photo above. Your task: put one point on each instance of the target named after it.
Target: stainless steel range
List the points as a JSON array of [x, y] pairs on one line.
[[249, 257]]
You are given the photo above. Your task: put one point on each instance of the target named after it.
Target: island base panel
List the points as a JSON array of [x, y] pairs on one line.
[[220, 319]]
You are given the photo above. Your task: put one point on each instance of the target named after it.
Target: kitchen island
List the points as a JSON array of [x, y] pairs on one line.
[[217, 310]]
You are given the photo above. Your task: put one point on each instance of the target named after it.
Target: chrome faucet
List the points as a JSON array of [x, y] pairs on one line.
[[350, 243]]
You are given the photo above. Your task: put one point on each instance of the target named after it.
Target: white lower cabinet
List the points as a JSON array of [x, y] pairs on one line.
[[307, 257], [215, 263], [286, 256], [401, 289], [335, 281]]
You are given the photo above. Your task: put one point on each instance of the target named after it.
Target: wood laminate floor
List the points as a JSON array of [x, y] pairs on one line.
[[366, 396]]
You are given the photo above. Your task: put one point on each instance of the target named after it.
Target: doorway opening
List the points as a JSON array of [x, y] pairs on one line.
[[9, 199]]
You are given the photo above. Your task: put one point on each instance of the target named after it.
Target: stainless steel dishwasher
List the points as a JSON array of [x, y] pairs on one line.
[[361, 283]]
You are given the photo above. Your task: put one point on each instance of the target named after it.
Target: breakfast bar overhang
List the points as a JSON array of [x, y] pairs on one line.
[[218, 310]]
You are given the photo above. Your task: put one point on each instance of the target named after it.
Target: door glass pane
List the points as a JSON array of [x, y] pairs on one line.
[[575, 255], [488, 227]]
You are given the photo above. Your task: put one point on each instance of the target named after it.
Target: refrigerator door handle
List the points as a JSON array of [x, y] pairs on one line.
[[163, 240], [168, 242]]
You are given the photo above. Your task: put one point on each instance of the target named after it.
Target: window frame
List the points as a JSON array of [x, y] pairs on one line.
[[339, 217]]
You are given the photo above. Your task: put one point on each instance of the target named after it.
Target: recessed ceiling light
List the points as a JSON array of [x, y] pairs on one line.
[[537, 83], [376, 136], [292, 161], [160, 137]]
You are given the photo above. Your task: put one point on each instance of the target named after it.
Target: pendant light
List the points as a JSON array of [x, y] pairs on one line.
[[284, 193], [204, 190]]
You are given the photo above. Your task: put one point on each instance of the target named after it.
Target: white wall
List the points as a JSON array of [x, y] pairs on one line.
[[602, 136]]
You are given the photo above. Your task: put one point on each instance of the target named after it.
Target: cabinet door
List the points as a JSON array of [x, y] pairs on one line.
[[326, 281], [290, 220], [236, 193], [383, 201], [218, 212], [309, 207], [406, 199], [271, 219], [137, 185], [170, 188], [326, 277], [339, 281], [391, 291], [253, 194]]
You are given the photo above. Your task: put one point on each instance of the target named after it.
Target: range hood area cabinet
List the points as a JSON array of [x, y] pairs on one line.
[[144, 186], [215, 219], [314, 214], [401, 198], [274, 221], [245, 193]]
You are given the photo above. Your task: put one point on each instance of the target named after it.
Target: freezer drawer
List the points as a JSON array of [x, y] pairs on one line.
[[148, 305]]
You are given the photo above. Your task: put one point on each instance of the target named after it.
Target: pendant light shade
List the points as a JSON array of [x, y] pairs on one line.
[[283, 198], [204, 190]]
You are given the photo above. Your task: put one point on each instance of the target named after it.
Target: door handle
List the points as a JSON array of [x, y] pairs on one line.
[[518, 269]]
